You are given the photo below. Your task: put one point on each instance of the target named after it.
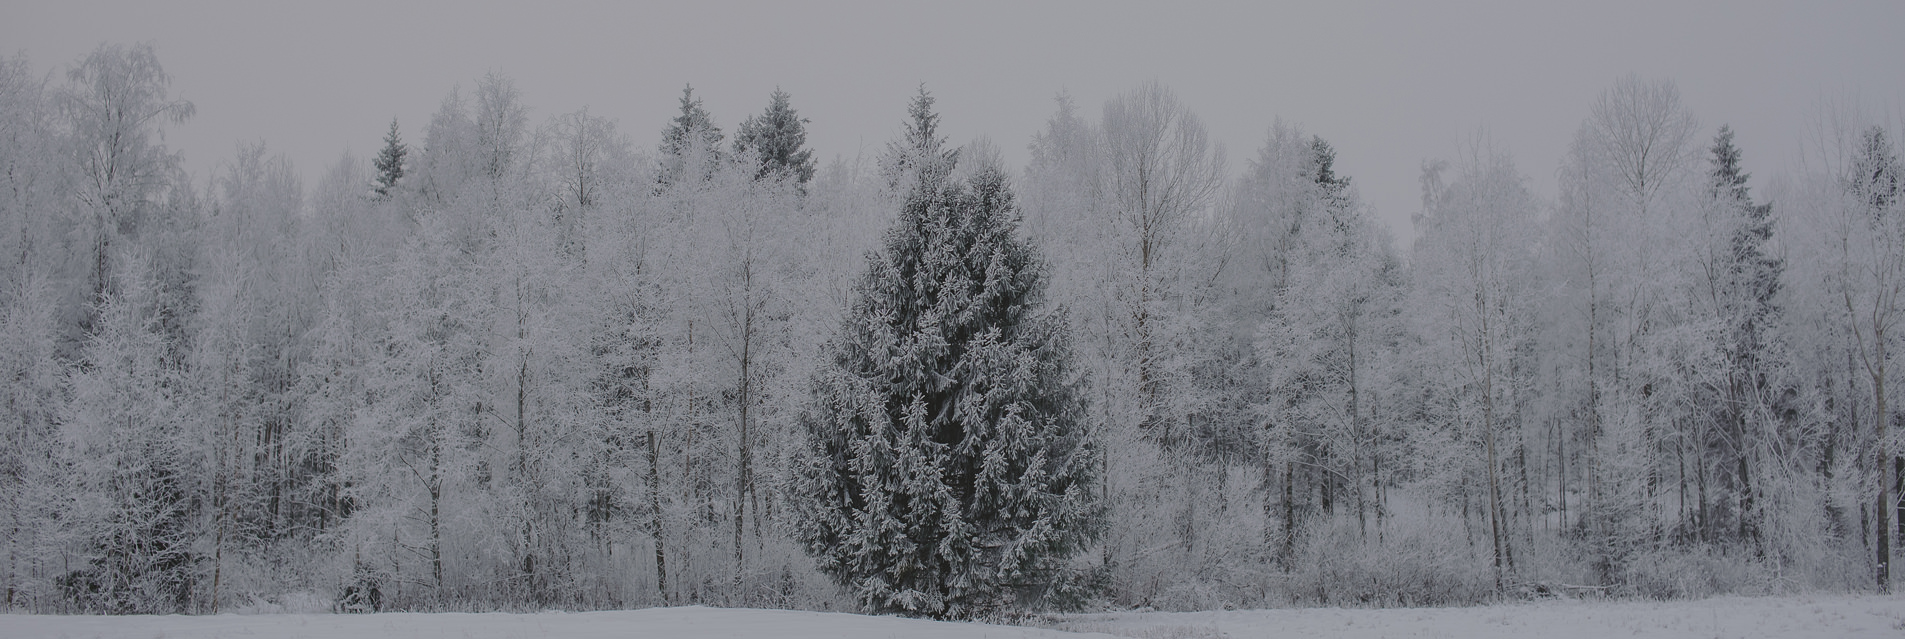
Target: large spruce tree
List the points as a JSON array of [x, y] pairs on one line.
[[779, 136], [948, 472], [920, 154], [389, 162], [1746, 285], [691, 145]]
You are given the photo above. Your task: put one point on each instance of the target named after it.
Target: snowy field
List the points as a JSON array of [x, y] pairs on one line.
[[1727, 617], [1719, 618], [693, 621]]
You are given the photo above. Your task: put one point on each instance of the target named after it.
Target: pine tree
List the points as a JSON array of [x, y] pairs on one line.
[[691, 139], [948, 472], [1749, 280], [921, 152], [1875, 173], [779, 135], [1325, 158], [389, 162]]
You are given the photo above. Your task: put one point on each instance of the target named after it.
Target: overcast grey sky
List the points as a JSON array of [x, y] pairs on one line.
[[1388, 83]]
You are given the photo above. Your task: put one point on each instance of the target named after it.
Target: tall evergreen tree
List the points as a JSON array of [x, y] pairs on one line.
[[921, 152], [1325, 159], [1875, 173], [1749, 278], [948, 472], [691, 140], [779, 135], [389, 161]]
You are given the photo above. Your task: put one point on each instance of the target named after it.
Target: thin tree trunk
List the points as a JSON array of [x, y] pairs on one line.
[[1269, 480], [1468, 518], [655, 516], [1898, 489], [522, 448], [1375, 476], [1704, 527], [1104, 454], [1561, 474], [744, 478], [1883, 507], [1874, 356], [1496, 527], [1527, 500], [1356, 430], [218, 544], [1289, 515], [1325, 481], [1680, 465], [225, 459], [1495, 523], [13, 542], [1749, 532], [436, 517], [1188, 470]]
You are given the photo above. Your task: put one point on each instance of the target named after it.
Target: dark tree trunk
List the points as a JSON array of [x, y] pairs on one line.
[[655, 517]]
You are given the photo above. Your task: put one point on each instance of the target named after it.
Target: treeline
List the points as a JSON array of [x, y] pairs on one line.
[[510, 364]]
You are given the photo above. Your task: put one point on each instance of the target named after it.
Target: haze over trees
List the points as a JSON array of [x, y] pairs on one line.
[[525, 361]]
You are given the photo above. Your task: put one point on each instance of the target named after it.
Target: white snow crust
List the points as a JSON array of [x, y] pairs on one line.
[[1796, 617], [1822, 616], [689, 621]]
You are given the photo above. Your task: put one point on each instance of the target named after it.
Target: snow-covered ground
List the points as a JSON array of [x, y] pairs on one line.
[[1727, 617], [1798, 617], [693, 621]]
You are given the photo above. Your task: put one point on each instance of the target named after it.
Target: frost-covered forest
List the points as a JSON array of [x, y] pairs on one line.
[[519, 360]]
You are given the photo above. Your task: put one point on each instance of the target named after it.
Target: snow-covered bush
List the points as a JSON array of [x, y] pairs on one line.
[[1418, 560]]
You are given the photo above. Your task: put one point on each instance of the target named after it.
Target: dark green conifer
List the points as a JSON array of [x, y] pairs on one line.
[[779, 136], [389, 162], [920, 154], [690, 139], [1749, 280], [947, 469]]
